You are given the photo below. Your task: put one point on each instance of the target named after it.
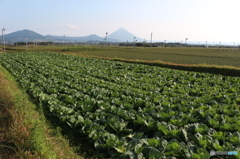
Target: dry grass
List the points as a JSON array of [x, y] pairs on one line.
[[14, 133], [24, 132]]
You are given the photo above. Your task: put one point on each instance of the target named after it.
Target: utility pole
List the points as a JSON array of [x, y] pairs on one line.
[[151, 40], [106, 39], [134, 42], [3, 40], [186, 41], [26, 45], [104, 43], [64, 43]]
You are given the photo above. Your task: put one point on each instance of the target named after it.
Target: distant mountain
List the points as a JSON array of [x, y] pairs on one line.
[[22, 35], [123, 35], [79, 39], [92, 37]]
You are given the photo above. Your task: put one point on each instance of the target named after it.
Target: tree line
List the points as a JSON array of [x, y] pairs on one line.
[[33, 43]]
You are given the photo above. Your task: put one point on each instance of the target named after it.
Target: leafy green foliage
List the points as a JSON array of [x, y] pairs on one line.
[[133, 110]]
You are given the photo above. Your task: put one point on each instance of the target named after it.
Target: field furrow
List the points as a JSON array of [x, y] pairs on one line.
[[133, 110]]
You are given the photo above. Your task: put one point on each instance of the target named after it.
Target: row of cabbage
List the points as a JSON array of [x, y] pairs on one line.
[[133, 110]]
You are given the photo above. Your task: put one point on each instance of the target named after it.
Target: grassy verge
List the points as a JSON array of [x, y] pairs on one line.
[[24, 131], [14, 133], [8, 116]]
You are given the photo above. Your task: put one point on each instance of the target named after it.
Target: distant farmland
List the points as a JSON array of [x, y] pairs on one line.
[[210, 56], [178, 55]]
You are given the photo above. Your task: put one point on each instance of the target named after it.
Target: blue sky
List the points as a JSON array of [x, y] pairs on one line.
[[197, 20]]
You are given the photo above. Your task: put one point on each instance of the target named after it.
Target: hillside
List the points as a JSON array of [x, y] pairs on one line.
[[23, 35], [123, 35]]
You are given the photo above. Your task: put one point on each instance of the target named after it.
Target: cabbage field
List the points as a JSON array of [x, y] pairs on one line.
[[133, 110]]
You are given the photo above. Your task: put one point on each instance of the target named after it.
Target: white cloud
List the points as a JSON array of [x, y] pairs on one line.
[[72, 26]]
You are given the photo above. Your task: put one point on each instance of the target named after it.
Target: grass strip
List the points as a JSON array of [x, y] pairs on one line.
[[24, 131]]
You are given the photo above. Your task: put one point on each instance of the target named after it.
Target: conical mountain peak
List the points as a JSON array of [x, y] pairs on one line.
[[123, 35]]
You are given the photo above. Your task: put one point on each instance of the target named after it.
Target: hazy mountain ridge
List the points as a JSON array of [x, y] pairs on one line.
[[121, 35]]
